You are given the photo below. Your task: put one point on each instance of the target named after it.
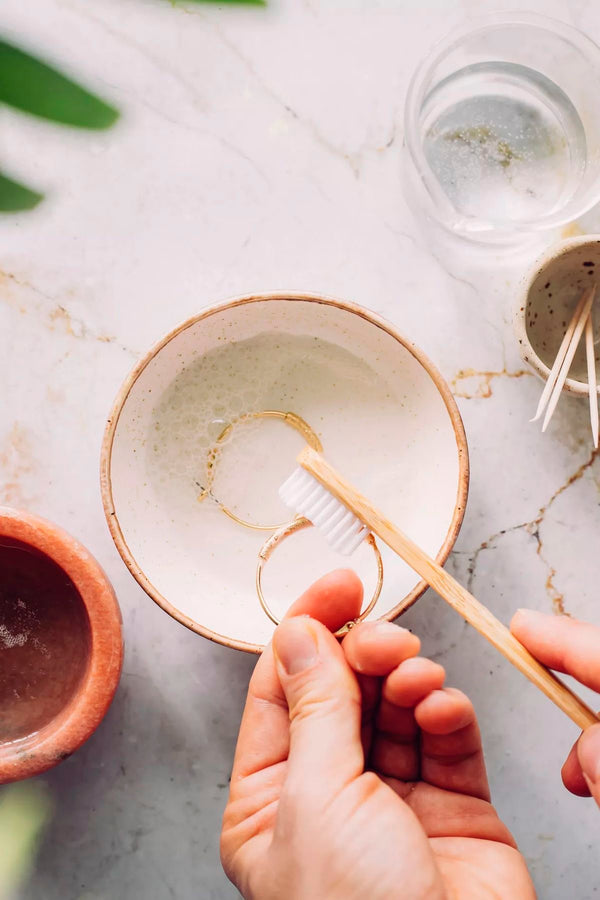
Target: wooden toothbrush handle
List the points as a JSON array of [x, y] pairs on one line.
[[475, 613]]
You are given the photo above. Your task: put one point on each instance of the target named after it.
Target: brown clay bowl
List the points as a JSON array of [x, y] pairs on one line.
[[61, 646]]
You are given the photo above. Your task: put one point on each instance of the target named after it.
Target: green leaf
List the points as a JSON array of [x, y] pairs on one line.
[[33, 86], [222, 2], [15, 197], [25, 810]]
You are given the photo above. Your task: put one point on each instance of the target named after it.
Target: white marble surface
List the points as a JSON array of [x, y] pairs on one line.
[[260, 149]]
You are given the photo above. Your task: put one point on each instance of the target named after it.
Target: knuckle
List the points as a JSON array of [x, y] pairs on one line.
[[317, 699]]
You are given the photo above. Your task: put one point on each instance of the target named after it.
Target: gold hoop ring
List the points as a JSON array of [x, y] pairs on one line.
[[298, 524], [294, 421]]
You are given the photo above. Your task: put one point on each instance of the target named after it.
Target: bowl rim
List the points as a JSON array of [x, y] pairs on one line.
[[84, 711], [529, 355], [243, 300]]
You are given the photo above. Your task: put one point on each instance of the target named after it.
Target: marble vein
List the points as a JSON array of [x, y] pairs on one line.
[[484, 389], [533, 528], [152, 783], [198, 101], [157, 62], [58, 314], [398, 232], [351, 159]]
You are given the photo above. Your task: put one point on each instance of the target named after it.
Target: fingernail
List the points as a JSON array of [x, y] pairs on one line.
[[588, 753], [387, 631], [530, 613], [295, 646], [418, 663], [382, 626], [529, 617]]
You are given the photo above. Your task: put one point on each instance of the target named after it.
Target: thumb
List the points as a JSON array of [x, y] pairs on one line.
[[323, 698], [588, 753]]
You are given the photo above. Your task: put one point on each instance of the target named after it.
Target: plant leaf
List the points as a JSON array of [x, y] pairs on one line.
[[33, 86], [25, 810], [15, 197], [222, 2]]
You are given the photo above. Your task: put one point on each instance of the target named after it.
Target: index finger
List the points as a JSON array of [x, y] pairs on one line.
[[561, 643], [263, 740]]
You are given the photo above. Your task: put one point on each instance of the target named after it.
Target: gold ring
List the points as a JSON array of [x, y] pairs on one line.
[[291, 419], [285, 531]]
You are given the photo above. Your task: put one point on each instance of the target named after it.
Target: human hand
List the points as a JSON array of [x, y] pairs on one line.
[[309, 819], [570, 646]]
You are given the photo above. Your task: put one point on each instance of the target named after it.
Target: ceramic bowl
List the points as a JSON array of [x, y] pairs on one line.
[[61, 646], [547, 301], [385, 418]]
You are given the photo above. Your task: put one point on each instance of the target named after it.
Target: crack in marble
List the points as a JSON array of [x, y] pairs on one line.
[[397, 232], [484, 389], [488, 544], [471, 285], [532, 527], [58, 313], [475, 290], [198, 101], [223, 142], [273, 95], [392, 138], [353, 160], [128, 41]]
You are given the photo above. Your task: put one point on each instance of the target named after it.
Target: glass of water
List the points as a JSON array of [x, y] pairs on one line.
[[502, 128]]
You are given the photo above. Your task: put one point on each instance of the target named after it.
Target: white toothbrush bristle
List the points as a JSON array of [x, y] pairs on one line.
[[305, 496]]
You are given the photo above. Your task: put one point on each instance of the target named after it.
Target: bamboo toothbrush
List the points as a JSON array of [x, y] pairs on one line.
[[317, 492]]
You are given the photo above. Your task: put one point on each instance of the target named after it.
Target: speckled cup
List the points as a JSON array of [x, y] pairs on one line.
[[547, 301], [86, 703]]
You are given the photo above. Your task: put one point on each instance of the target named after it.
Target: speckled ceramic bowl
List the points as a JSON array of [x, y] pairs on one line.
[[61, 646], [547, 301], [383, 413]]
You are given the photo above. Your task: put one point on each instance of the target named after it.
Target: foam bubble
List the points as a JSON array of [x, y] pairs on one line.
[[313, 378]]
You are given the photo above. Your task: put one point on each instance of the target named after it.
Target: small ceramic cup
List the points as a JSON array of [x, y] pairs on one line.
[[547, 301], [61, 646]]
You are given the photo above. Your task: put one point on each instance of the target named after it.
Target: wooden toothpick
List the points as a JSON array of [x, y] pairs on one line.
[[571, 350], [591, 369], [562, 352]]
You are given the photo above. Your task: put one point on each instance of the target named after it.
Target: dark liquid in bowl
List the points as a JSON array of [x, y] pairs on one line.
[[44, 640]]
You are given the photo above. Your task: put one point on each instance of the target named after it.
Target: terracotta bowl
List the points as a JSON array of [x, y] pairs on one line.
[[383, 414], [61, 646]]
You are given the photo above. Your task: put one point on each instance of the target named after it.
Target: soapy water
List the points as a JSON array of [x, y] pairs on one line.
[[505, 143], [262, 449], [382, 424], [300, 374]]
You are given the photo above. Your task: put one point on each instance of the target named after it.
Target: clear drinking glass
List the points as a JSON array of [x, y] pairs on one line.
[[502, 128]]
